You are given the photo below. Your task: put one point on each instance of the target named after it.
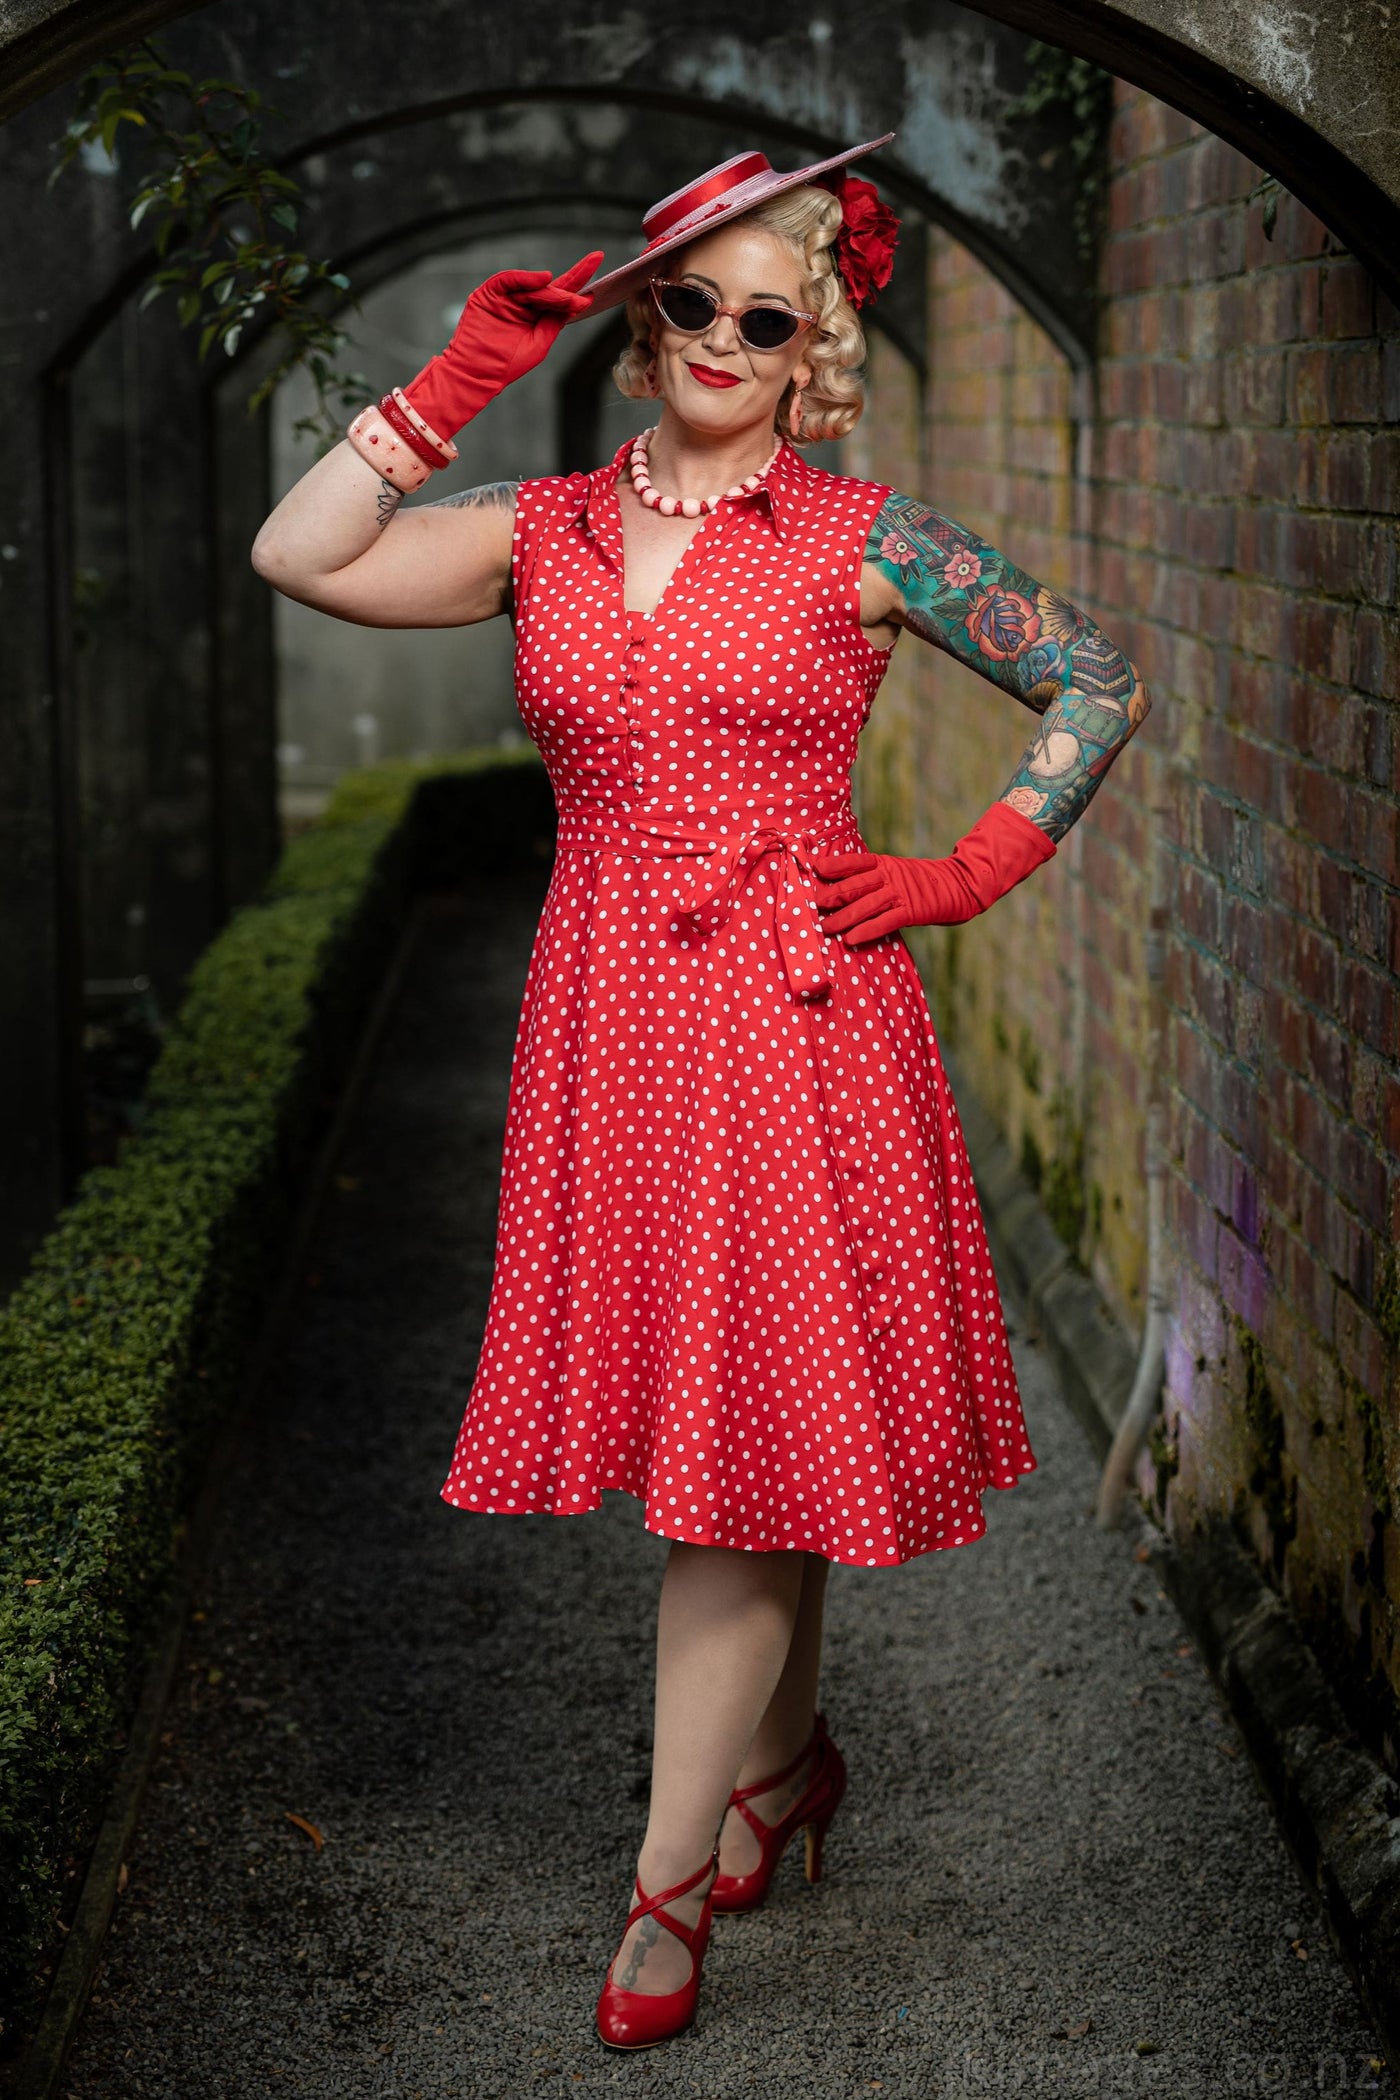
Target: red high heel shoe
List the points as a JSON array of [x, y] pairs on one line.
[[811, 1811], [636, 2019]]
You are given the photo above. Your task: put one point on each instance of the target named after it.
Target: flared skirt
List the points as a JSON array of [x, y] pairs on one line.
[[708, 1185]]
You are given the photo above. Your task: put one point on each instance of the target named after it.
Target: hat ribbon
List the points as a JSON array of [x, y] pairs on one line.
[[690, 201]]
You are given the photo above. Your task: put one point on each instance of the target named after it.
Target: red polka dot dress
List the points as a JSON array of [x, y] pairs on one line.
[[740, 1273]]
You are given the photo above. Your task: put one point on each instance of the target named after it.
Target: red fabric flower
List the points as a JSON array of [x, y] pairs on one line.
[[866, 243]]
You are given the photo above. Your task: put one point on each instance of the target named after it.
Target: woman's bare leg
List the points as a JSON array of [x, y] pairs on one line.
[[724, 1630], [785, 1727]]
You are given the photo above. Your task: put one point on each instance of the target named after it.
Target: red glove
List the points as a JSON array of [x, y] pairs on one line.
[[508, 326], [872, 894]]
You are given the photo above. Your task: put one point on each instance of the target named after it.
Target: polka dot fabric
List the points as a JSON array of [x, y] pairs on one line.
[[741, 1272]]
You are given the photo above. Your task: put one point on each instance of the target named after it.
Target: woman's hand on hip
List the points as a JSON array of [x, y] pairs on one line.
[[867, 895]]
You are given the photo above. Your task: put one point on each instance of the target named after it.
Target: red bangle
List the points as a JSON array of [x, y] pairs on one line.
[[445, 449], [397, 420]]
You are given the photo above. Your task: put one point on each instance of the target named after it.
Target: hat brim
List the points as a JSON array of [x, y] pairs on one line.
[[617, 286]]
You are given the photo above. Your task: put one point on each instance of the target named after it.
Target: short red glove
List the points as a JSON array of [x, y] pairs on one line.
[[871, 894], [508, 326]]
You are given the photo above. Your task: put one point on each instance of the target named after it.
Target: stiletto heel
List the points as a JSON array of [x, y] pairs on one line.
[[815, 1833], [636, 2019], [813, 1810]]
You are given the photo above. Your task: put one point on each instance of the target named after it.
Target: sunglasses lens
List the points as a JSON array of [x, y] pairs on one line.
[[686, 306], [767, 327]]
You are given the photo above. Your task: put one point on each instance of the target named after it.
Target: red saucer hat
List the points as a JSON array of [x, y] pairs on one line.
[[721, 193]]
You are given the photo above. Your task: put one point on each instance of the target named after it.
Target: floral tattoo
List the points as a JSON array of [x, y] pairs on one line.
[[966, 598]]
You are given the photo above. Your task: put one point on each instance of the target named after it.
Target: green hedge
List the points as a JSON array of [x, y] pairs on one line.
[[130, 1331]]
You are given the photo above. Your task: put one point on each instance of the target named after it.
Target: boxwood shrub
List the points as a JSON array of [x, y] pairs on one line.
[[131, 1329]]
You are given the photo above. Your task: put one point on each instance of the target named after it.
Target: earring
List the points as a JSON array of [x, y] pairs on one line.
[[649, 378], [795, 412]]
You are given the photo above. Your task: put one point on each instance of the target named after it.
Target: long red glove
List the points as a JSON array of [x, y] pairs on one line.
[[871, 894], [508, 326]]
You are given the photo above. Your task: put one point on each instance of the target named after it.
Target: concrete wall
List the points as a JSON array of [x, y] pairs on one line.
[[1229, 514]]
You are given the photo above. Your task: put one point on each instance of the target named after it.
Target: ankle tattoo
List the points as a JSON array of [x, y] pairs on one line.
[[648, 1932]]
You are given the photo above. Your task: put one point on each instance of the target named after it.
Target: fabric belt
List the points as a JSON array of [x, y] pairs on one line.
[[732, 845], [708, 896]]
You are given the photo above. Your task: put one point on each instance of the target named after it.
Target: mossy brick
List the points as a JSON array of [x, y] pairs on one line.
[[1253, 564]]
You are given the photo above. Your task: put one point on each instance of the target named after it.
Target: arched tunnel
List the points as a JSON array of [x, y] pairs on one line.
[[1143, 334]]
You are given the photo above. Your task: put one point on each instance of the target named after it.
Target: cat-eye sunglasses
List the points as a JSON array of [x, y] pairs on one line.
[[690, 310]]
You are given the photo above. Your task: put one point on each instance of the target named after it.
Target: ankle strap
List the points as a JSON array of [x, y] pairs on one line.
[[652, 1904], [762, 1786]]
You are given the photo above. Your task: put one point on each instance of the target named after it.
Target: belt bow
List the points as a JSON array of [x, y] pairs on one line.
[[708, 897]]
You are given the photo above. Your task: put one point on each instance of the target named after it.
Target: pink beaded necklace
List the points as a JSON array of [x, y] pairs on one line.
[[686, 506]]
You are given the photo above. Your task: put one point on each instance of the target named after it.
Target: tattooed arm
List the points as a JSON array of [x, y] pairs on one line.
[[950, 588], [343, 540]]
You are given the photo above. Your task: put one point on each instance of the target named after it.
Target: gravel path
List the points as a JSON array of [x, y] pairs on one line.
[[1053, 1874]]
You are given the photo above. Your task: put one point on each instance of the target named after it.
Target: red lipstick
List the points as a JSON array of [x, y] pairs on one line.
[[708, 376]]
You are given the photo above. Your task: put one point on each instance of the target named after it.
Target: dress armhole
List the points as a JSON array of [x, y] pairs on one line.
[[520, 549], [532, 508], [878, 492]]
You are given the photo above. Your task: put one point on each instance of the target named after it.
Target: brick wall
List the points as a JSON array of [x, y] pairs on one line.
[[1227, 508]]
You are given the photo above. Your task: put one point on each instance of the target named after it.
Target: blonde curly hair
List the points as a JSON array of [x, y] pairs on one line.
[[809, 219]]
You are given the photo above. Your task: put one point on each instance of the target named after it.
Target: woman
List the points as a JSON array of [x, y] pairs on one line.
[[741, 1273]]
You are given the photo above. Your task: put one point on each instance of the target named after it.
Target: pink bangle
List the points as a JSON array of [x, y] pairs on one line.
[[445, 449], [381, 447]]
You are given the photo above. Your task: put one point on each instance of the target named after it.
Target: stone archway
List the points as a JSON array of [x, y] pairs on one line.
[[451, 123], [75, 265], [1311, 98]]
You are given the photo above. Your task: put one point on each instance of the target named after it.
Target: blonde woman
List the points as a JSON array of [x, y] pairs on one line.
[[741, 1273]]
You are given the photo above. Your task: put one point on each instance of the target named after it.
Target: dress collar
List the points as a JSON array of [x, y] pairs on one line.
[[777, 496]]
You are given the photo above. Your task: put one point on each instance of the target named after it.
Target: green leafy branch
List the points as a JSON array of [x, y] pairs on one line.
[[221, 214], [1058, 78]]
